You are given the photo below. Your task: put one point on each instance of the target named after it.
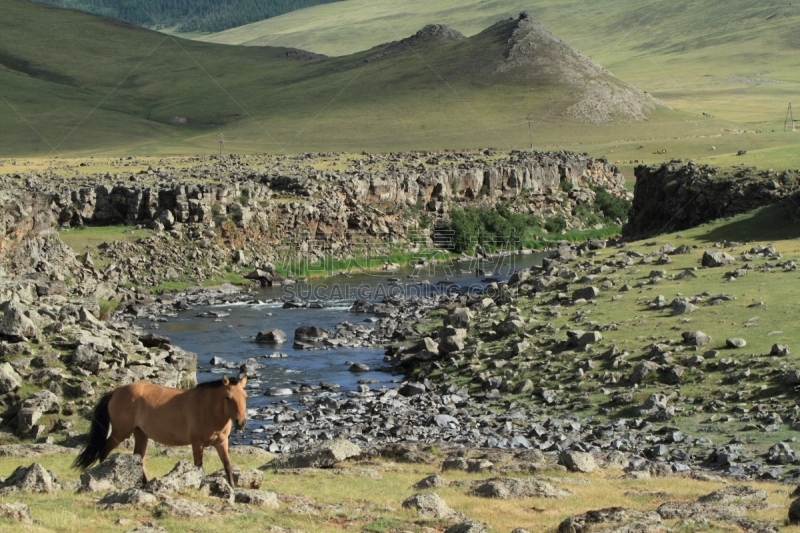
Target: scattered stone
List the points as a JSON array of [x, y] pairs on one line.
[[431, 505], [33, 478], [183, 475], [321, 455], [506, 488], [16, 511], [271, 336], [578, 461], [431, 482], [736, 342], [260, 498], [119, 472], [133, 497]]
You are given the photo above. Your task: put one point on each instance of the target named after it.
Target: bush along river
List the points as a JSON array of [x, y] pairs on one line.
[[315, 352]]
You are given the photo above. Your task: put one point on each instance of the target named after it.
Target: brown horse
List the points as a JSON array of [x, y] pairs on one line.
[[200, 416]]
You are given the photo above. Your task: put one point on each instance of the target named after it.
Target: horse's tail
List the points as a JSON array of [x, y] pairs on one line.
[[98, 434]]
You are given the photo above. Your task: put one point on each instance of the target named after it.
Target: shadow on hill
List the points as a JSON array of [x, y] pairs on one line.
[[771, 223]]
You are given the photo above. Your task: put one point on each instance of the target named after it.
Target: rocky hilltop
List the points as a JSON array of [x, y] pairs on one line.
[[533, 55]]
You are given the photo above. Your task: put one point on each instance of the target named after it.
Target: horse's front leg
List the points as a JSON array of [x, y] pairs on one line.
[[140, 447], [222, 450], [197, 452]]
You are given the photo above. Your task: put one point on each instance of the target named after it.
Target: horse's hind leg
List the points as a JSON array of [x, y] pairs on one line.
[[118, 434], [140, 448]]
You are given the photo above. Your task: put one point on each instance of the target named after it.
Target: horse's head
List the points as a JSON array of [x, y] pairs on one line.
[[236, 401]]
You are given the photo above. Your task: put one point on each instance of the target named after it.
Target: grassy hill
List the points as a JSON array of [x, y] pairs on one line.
[[74, 83], [736, 60], [185, 15]]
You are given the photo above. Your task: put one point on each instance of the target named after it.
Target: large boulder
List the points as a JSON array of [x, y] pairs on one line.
[[271, 336], [260, 498], [9, 379], [696, 338], [578, 461], [33, 478], [642, 370], [431, 505], [716, 259], [321, 455], [586, 293], [311, 334], [460, 317], [15, 325], [118, 472], [506, 488], [34, 407]]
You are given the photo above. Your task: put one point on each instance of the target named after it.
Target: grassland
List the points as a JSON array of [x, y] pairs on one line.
[[371, 504], [77, 84]]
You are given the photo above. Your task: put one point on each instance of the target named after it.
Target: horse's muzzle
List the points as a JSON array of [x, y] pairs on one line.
[[240, 424]]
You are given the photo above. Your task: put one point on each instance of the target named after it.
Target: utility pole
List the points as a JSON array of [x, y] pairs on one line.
[[221, 142], [789, 121], [530, 129]]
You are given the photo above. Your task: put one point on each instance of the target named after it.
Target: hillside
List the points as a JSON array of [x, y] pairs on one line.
[[74, 82], [188, 16], [736, 60]]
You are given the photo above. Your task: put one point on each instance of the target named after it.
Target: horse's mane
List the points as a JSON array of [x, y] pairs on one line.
[[214, 384]]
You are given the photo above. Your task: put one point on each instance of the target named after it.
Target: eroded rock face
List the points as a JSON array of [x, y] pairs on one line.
[[15, 325]]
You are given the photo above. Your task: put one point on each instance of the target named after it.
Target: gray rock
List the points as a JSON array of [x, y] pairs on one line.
[[431, 482], [271, 336], [734, 493], [431, 505], [15, 325], [470, 526], [581, 339], [779, 349], [578, 461], [183, 475], [133, 497], [260, 498], [321, 455], [642, 370], [311, 334], [16, 511], [119, 472], [33, 478], [34, 407], [735, 342], [716, 259], [681, 306], [616, 517], [696, 338], [9, 379], [460, 317], [412, 389], [506, 488], [182, 509], [586, 293]]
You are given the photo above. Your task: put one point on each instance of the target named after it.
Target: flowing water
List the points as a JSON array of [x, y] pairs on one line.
[[232, 337]]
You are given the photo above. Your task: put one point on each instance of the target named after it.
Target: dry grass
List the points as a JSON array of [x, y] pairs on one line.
[[346, 501]]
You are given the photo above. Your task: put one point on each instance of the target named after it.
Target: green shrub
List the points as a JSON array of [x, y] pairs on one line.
[[492, 228], [107, 308], [556, 224], [612, 208], [565, 185]]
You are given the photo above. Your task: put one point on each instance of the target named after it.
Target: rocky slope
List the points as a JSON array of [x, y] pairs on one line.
[[678, 195], [534, 55]]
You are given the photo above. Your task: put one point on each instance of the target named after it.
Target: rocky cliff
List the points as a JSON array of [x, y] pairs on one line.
[[676, 195]]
